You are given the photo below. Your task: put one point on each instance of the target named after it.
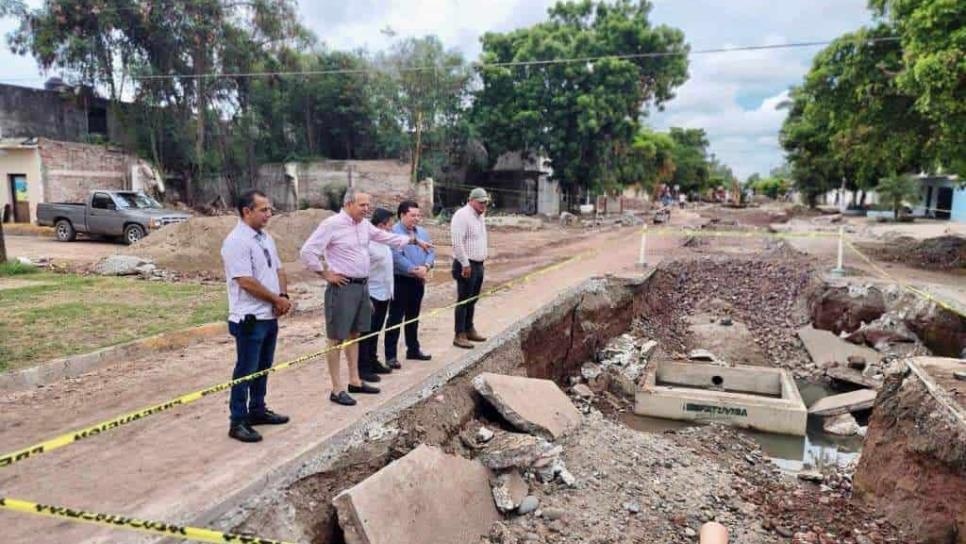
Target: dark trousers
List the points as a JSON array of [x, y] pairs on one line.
[[467, 288], [368, 346], [256, 351], [406, 302]]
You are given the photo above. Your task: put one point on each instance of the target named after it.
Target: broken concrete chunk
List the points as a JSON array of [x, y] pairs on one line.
[[509, 490], [529, 504], [702, 355], [863, 399], [535, 406], [841, 425], [508, 450], [582, 391], [852, 376], [120, 265], [484, 435], [590, 371], [828, 350], [407, 502]]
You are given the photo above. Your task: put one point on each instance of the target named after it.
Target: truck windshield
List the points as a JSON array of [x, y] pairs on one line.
[[136, 200]]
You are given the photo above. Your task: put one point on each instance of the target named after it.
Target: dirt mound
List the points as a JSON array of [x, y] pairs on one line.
[[941, 252], [194, 247]]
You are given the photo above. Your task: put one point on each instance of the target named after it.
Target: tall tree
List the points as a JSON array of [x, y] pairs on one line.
[[430, 95], [849, 121], [690, 157], [933, 37], [169, 51], [583, 115]]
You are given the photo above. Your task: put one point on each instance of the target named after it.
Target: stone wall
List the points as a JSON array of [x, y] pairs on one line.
[[71, 170]]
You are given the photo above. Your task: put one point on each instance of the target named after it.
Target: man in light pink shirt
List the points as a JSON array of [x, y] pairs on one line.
[[343, 241]]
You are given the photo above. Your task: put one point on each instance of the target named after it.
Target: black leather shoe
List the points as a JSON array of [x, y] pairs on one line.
[[379, 367], [244, 433], [393, 364], [418, 356], [267, 417], [364, 388], [342, 398], [369, 377]]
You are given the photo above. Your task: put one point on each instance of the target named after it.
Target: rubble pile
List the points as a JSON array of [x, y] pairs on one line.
[[939, 253], [766, 295]]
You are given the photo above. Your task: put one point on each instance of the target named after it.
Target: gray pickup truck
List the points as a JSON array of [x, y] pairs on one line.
[[129, 215]]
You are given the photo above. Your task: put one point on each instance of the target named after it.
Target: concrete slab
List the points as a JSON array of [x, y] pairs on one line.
[[852, 376], [826, 349], [862, 399], [535, 406], [426, 496]]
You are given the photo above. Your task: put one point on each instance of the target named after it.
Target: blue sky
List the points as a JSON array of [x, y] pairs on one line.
[[732, 96]]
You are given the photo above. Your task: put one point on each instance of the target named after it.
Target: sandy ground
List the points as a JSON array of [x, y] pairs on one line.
[[151, 469], [79, 251]]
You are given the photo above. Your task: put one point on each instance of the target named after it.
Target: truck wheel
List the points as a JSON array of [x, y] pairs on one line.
[[132, 234], [65, 231]]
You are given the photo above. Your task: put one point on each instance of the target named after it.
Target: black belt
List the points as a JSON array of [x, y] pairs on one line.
[[360, 281]]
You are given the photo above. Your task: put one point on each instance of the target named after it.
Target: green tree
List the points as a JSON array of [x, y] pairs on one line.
[[165, 52], [933, 39], [583, 115], [651, 159], [849, 120], [898, 189], [691, 159], [429, 96]]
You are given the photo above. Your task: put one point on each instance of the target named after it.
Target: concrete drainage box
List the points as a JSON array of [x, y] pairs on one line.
[[752, 397]]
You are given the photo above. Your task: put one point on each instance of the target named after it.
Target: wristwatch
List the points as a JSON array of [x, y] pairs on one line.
[[283, 295]]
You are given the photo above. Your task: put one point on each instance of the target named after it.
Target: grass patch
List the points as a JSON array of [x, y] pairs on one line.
[[66, 314], [16, 268]]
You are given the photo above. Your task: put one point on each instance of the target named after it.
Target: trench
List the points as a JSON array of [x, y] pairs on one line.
[[554, 343]]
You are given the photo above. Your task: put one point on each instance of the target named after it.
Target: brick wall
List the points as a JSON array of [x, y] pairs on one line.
[[71, 170]]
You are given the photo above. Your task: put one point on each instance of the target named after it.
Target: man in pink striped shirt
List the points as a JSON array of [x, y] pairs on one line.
[[343, 241]]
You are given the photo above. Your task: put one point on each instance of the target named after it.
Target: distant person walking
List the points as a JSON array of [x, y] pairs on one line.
[[257, 296], [468, 230], [382, 289], [411, 266], [343, 241]]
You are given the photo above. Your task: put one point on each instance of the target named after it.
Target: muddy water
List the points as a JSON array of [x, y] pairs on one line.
[[792, 453]]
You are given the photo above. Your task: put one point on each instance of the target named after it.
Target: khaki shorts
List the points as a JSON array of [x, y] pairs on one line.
[[348, 310]]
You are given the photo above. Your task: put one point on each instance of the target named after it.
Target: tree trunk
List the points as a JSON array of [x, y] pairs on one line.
[[199, 66], [414, 169], [3, 246]]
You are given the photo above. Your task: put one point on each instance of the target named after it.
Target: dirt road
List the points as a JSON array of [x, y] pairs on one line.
[[78, 251], [180, 464]]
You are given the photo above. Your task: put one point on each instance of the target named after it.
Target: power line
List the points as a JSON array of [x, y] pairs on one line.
[[482, 66]]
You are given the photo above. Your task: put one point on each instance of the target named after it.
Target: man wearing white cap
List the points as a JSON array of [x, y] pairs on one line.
[[469, 251]]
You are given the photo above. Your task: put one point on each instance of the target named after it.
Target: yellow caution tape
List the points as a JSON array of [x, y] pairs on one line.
[[914, 290], [130, 524], [671, 231], [94, 430]]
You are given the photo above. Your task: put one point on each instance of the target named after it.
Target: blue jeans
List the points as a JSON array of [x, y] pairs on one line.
[[256, 351]]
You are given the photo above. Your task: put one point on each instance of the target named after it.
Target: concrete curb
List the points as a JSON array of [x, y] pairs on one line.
[[75, 365]]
